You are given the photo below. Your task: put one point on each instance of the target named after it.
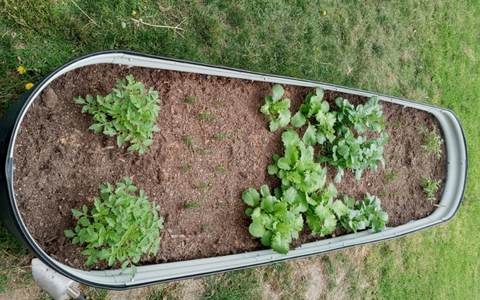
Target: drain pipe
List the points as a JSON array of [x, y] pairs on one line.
[[56, 285]]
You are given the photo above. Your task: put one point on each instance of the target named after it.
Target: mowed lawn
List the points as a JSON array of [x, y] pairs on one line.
[[427, 51]]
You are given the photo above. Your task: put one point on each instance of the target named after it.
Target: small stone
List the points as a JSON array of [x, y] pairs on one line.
[[76, 261], [169, 230], [41, 224], [50, 98], [25, 178]]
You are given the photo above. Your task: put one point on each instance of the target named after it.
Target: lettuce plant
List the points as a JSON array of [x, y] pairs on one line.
[[129, 113], [297, 167], [275, 220], [315, 108], [120, 227], [274, 106]]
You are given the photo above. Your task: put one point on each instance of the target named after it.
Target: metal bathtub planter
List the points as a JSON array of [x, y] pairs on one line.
[[452, 195]]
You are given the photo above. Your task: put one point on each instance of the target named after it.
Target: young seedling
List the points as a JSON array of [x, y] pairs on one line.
[[430, 187], [383, 193], [274, 106], [188, 140], [206, 227], [433, 142], [203, 186], [391, 176], [222, 136], [194, 205], [191, 100], [186, 167], [112, 229], [207, 116], [398, 124], [129, 113], [220, 104], [222, 204], [219, 169]]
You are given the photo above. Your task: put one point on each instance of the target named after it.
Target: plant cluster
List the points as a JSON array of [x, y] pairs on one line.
[[129, 113], [432, 140], [275, 220], [297, 167], [120, 226], [430, 187], [274, 106]]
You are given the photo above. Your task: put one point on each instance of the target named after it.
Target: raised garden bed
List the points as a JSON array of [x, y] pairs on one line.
[[60, 163]]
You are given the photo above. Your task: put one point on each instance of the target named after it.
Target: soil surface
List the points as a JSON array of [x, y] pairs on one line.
[[60, 162]]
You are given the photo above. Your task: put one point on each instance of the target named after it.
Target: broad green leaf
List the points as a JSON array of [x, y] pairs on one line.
[[277, 92], [289, 195], [96, 127], [266, 238], [272, 169], [298, 120], [282, 105], [290, 138], [265, 190], [275, 157], [284, 163], [249, 211], [76, 213], [309, 138], [69, 233], [273, 124], [280, 209], [251, 197], [339, 208], [280, 244], [257, 230], [284, 117], [320, 137], [267, 204], [147, 142]]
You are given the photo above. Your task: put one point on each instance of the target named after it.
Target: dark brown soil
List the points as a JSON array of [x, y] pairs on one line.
[[60, 163]]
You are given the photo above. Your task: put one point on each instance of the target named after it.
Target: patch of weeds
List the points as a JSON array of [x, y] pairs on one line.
[[95, 293], [430, 187], [186, 167], [204, 151], [391, 176], [332, 281], [191, 100], [398, 125], [203, 186], [432, 140], [222, 136], [207, 116], [188, 140], [194, 205], [220, 104], [238, 285], [224, 204], [383, 193], [206, 227], [219, 169]]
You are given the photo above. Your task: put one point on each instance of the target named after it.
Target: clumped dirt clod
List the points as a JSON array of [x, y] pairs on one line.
[[60, 162]]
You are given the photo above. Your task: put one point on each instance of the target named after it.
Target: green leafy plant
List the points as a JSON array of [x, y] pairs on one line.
[[430, 187], [347, 152], [207, 116], [432, 140], [323, 213], [130, 113], [274, 106], [361, 215], [297, 167], [360, 117], [398, 124], [275, 220], [191, 100], [120, 226], [318, 109]]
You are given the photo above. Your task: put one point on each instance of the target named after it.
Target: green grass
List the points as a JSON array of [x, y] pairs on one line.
[[427, 51]]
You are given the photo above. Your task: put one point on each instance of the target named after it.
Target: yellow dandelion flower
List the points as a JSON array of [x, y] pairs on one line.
[[21, 70], [134, 13], [428, 40], [324, 13], [29, 86]]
